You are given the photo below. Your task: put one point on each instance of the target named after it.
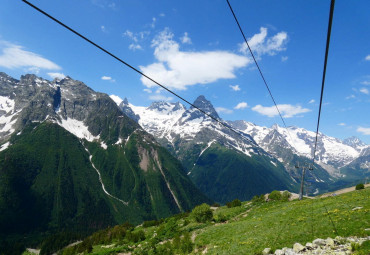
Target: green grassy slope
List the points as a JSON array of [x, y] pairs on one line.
[[246, 229]]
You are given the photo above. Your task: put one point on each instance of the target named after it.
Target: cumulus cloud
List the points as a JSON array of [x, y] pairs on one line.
[[147, 90], [287, 110], [107, 78], [57, 75], [14, 56], [364, 131], [223, 110], [262, 45], [367, 58], [186, 39], [364, 90], [159, 97], [342, 124], [179, 69], [241, 105], [235, 88], [312, 101]]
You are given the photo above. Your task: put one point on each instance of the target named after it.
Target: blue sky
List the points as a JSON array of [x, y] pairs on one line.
[[195, 48]]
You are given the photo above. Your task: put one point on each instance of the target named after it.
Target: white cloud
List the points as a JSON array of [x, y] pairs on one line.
[[130, 35], [241, 105], [223, 110], [364, 131], [367, 58], [154, 20], [178, 69], [286, 110], [284, 58], [312, 101], [159, 97], [147, 90], [364, 90], [13, 56], [261, 46], [162, 15], [134, 47], [366, 83], [57, 75], [351, 97], [103, 29], [342, 124], [107, 78], [235, 88], [186, 39]]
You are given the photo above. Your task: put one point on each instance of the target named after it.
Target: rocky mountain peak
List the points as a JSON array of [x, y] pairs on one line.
[[125, 101], [202, 103], [354, 142]]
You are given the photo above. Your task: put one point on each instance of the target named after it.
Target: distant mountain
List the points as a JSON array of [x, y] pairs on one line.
[[189, 135], [332, 154], [223, 164], [71, 160]]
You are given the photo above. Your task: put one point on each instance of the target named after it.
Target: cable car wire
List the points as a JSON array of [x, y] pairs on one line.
[[259, 69], [138, 71]]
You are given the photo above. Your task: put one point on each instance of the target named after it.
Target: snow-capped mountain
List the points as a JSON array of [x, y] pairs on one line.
[[216, 158], [189, 134], [172, 121], [332, 153]]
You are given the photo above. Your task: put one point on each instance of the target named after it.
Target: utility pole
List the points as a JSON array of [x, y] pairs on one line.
[[304, 167]]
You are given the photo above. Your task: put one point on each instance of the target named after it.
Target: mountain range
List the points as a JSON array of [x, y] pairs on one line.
[[199, 141], [71, 160]]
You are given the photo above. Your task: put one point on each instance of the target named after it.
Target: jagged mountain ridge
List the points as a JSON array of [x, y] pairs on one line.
[[223, 164], [75, 140], [171, 129], [332, 153]]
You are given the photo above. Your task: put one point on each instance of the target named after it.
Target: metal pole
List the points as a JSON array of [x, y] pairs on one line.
[[302, 181]]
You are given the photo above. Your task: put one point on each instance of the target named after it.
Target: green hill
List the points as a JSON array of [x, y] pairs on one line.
[[245, 229], [49, 186]]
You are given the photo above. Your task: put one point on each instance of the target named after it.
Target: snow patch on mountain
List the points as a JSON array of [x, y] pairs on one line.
[[79, 129], [4, 146], [6, 104], [116, 99]]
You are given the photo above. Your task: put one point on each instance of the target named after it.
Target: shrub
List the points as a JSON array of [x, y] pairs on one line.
[[220, 217], [275, 195], [360, 186], [234, 203], [286, 195], [216, 205], [202, 213], [258, 199], [151, 223]]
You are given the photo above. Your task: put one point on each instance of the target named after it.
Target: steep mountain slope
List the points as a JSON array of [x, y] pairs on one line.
[[72, 160], [223, 164]]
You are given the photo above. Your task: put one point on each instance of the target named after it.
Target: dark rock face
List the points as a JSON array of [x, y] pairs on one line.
[[128, 111]]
